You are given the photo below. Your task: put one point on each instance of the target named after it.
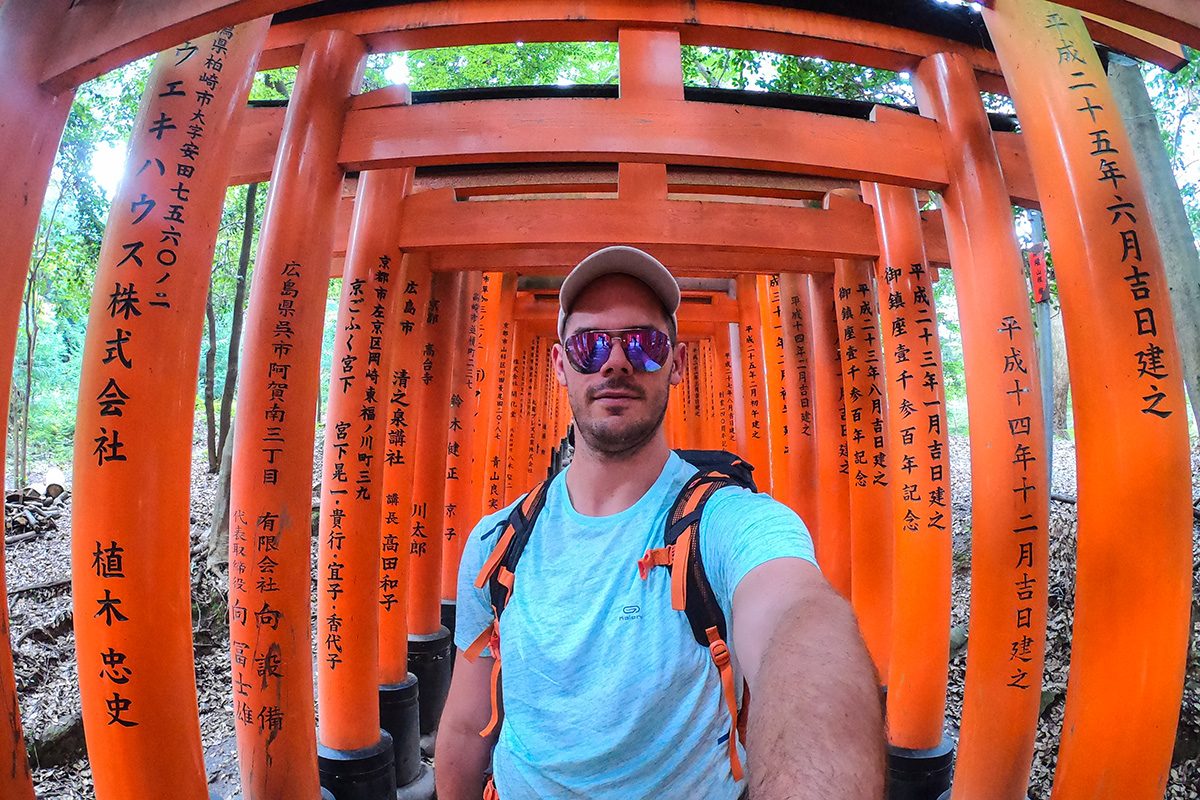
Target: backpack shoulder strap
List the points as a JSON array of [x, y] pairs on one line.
[[497, 573], [501, 565], [691, 591]]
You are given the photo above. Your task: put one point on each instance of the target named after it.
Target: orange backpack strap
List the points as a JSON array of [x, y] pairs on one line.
[[498, 573], [691, 591], [720, 656]]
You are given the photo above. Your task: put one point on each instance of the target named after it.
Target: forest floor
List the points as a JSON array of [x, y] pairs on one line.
[[47, 685]]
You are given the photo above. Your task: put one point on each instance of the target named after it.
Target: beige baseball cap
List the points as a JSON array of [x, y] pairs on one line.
[[618, 259]]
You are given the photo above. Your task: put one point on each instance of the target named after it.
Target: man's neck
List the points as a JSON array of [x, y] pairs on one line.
[[599, 486]]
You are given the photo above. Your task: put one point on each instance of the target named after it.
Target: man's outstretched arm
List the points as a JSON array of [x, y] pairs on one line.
[[816, 720], [463, 755]]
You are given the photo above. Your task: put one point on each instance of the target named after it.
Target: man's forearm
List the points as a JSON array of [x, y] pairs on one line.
[[462, 760], [816, 720]]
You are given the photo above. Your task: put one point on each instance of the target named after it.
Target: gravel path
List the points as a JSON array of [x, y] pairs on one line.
[[47, 684]]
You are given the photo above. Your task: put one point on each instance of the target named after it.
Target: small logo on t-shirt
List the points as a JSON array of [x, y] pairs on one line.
[[630, 612]]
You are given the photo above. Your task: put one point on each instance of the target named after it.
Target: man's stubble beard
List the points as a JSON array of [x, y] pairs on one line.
[[615, 445]]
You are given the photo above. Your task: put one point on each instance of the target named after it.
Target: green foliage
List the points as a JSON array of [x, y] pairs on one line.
[[717, 67], [514, 64], [1176, 100]]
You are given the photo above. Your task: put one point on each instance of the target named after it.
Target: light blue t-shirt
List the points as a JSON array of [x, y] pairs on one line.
[[606, 693]]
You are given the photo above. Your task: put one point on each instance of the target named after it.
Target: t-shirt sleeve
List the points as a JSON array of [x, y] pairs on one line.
[[473, 613], [741, 530]]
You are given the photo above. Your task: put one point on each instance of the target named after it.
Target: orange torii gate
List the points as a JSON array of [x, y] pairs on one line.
[[674, 165]]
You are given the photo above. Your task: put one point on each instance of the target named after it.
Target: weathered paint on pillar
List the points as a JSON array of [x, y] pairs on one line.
[[270, 570], [917, 674], [831, 527], [1134, 474], [31, 124], [405, 390], [438, 361], [496, 390], [871, 531], [771, 326], [755, 447], [348, 543], [130, 531], [460, 442], [1008, 469], [797, 372]]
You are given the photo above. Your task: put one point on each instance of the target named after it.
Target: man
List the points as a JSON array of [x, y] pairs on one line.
[[605, 691]]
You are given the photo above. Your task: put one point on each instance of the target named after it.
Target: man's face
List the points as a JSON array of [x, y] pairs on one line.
[[618, 409]]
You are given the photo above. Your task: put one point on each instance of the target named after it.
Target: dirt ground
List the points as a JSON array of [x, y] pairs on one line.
[[45, 657]]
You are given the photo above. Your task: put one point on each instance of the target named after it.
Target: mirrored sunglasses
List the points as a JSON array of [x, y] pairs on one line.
[[646, 349]]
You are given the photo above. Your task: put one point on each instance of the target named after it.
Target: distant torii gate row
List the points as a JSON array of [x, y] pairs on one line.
[[807, 257]]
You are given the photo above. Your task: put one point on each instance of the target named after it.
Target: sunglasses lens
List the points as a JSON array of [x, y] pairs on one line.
[[588, 351], [647, 349]]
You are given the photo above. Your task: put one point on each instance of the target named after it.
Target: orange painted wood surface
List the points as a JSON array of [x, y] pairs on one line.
[[427, 520], [137, 397], [920, 459], [755, 444], [831, 528], [869, 461], [31, 123], [462, 485], [497, 386], [271, 484], [1009, 511], [583, 130], [801, 434], [1127, 659], [406, 390], [771, 326], [348, 541]]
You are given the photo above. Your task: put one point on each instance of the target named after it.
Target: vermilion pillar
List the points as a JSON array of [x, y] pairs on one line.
[[728, 403], [460, 442], [921, 475], [1127, 658], [31, 123], [270, 575], [794, 303], [130, 548], [429, 480], [771, 325], [496, 387], [1008, 473], [515, 401], [832, 523], [871, 533], [755, 447], [429, 643], [404, 391], [348, 544]]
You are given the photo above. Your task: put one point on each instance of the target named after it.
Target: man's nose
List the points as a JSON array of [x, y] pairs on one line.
[[617, 361]]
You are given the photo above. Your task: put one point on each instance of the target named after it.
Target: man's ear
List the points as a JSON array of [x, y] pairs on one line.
[[678, 363], [556, 357]]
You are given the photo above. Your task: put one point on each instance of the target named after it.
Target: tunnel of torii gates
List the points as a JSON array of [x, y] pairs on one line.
[[807, 251]]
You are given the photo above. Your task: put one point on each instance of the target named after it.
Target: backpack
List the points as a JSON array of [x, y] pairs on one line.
[[691, 592]]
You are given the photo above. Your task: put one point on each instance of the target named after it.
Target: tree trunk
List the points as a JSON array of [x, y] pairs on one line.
[[1062, 378], [235, 331], [210, 369], [217, 547]]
